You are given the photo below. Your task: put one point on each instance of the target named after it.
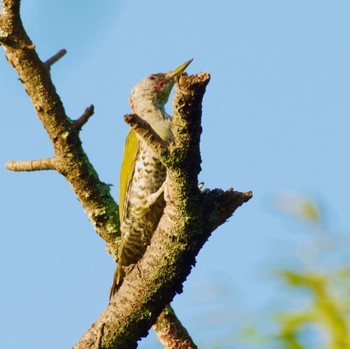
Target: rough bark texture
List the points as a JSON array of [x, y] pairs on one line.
[[170, 331], [70, 159], [188, 220], [190, 215]]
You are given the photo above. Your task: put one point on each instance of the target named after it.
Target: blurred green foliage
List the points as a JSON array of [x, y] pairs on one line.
[[323, 320], [311, 307]]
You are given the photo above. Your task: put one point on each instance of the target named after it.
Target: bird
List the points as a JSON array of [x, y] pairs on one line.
[[142, 175]]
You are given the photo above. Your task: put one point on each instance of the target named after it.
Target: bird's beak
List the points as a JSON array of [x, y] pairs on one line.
[[178, 70]]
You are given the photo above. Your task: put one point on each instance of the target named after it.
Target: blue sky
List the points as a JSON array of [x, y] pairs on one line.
[[275, 120]]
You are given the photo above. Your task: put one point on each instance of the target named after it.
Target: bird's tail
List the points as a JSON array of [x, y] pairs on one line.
[[117, 280]]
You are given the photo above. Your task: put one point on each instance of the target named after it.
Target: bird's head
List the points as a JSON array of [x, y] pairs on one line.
[[154, 90]]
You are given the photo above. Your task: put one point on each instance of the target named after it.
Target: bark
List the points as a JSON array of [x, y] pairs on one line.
[[189, 217], [70, 159], [170, 331]]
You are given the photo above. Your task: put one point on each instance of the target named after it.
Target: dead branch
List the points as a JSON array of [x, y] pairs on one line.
[[56, 57], [32, 165], [70, 158], [185, 226], [145, 131], [189, 216], [84, 118]]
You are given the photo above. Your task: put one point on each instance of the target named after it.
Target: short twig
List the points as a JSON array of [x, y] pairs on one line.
[[55, 58], [144, 130], [83, 119], [32, 165]]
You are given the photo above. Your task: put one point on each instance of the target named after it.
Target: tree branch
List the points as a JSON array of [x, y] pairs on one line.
[[170, 331], [56, 57], [219, 205], [32, 165], [94, 196], [181, 233], [70, 158], [144, 130], [84, 118], [151, 284], [168, 327]]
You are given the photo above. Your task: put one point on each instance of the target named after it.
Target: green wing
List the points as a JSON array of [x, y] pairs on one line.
[[131, 149]]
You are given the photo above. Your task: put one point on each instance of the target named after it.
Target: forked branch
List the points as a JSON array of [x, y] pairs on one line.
[[185, 226], [189, 217], [70, 159]]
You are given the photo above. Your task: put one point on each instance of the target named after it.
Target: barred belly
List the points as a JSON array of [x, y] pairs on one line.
[[140, 220]]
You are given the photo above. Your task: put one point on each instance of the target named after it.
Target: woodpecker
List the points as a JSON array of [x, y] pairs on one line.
[[142, 175]]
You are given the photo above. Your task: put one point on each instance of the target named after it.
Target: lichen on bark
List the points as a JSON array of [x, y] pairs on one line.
[[190, 215]]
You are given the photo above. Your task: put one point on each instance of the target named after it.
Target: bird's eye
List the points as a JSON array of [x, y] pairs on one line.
[[152, 77]]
